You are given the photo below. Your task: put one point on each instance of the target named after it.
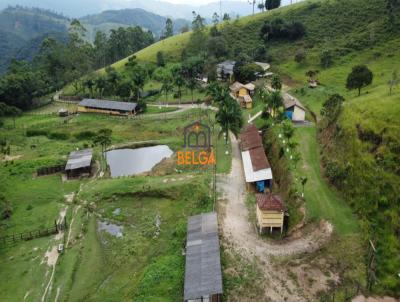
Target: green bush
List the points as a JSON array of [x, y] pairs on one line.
[[58, 135], [84, 135], [36, 132]]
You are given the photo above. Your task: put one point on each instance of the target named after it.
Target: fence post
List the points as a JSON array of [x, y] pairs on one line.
[[55, 223]]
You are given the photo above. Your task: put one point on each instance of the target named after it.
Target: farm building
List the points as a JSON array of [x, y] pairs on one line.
[[294, 110], [63, 112], [225, 70], [239, 89], [270, 211], [107, 107], [257, 169], [243, 93], [203, 277], [79, 163]]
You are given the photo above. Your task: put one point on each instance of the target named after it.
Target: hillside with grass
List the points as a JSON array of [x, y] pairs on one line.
[[360, 154]]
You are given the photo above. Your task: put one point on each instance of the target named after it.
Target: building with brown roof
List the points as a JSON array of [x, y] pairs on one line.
[[270, 211], [257, 169]]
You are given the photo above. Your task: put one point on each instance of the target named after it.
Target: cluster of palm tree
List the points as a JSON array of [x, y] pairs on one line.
[[229, 115]]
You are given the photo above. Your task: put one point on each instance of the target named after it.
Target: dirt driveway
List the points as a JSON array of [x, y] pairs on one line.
[[237, 229]]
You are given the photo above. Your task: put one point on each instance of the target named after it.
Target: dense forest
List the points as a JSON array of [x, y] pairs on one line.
[[58, 63]]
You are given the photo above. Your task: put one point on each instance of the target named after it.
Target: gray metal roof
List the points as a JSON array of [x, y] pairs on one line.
[[227, 66], [111, 105], [203, 267], [79, 159]]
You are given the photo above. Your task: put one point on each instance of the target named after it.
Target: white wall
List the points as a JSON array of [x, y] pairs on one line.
[[298, 114]]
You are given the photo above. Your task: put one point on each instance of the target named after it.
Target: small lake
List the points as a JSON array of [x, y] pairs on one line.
[[125, 162]]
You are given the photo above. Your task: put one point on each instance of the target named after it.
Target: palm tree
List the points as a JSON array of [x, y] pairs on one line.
[[274, 102], [229, 115]]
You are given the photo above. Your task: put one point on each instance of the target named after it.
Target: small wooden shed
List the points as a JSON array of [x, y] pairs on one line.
[[79, 163], [270, 211]]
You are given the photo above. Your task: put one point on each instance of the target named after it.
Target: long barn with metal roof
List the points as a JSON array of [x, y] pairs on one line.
[[107, 107], [203, 277]]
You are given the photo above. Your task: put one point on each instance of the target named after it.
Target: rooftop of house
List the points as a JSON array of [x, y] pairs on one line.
[[270, 202], [290, 101], [203, 265], [108, 105], [79, 159]]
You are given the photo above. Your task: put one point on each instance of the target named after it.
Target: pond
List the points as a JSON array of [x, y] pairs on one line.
[[112, 229], [125, 162]]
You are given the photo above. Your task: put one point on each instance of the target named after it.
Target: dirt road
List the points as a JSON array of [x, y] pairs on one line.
[[237, 229]]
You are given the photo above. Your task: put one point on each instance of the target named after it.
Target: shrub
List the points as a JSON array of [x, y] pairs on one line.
[[326, 59], [58, 135], [36, 132], [84, 135]]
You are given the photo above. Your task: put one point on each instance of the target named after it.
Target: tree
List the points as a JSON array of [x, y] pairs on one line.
[[160, 59], [253, 3], [138, 74], [359, 77], [216, 47], [229, 115], [288, 130], [142, 105], [300, 56], [12, 111], [100, 85], [226, 17], [215, 19], [272, 4], [103, 138], [179, 80], [169, 28], [124, 89], [394, 81], [332, 108], [89, 84], [276, 82], [274, 102], [112, 78], [192, 69], [261, 6], [326, 59], [167, 83]]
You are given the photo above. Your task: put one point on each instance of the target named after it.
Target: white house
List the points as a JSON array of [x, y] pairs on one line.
[[294, 110]]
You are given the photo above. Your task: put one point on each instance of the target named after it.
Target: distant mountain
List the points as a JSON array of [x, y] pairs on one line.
[[80, 8], [22, 29], [112, 19]]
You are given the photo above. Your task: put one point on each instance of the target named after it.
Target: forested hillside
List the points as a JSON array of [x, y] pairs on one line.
[[22, 31], [360, 149]]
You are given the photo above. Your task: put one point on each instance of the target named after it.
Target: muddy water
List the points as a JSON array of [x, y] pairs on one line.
[[125, 162], [112, 229]]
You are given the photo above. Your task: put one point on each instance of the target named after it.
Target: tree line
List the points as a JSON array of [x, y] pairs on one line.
[[59, 63]]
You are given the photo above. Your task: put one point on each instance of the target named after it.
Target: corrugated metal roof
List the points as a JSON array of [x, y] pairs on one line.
[[79, 159], [105, 104], [227, 66], [270, 202], [203, 266], [250, 174]]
